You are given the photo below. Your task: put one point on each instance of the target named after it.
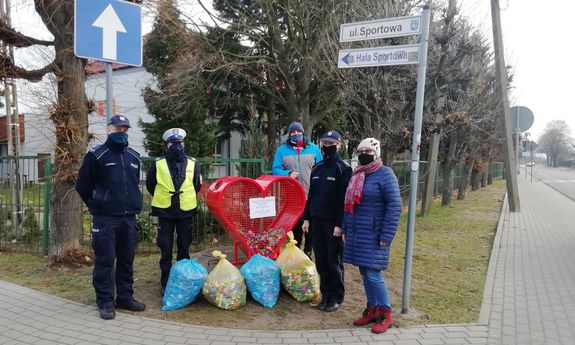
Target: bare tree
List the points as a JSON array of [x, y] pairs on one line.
[[556, 140], [69, 115], [378, 100]]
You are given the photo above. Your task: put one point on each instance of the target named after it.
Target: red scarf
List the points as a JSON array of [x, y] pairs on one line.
[[299, 146], [355, 187]]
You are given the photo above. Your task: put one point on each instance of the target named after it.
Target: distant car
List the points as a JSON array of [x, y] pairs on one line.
[[530, 164]]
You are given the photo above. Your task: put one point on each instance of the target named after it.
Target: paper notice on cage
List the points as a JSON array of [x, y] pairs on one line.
[[262, 207]]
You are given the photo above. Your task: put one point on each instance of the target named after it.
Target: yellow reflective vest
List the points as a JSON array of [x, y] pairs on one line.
[[165, 187]]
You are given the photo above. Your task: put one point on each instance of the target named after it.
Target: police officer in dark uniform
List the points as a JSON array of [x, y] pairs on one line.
[[324, 209], [108, 183], [174, 182]]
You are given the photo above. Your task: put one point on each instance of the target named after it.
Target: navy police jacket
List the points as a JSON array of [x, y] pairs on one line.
[[109, 180], [328, 183]]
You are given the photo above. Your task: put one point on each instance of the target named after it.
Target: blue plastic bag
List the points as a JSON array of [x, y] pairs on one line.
[[184, 285], [262, 277]]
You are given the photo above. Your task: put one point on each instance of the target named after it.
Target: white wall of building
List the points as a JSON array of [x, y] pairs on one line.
[[128, 85]]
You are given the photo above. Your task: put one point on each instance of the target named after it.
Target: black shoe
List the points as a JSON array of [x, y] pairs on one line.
[[332, 307], [107, 313], [322, 304], [131, 305]]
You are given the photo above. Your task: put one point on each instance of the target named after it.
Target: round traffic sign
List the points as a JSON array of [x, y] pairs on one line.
[[521, 118]]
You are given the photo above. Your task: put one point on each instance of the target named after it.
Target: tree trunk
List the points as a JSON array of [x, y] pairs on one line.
[[431, 172], [490, 172], [70, 119], [475, 179], [272, 127], [448, 177], [485, 172], [448, 174], [464, 184]]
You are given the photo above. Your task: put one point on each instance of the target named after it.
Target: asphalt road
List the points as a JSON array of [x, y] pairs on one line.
[[561, 179]]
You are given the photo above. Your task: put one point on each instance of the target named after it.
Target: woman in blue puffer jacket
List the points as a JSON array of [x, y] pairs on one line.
[[372, 210]]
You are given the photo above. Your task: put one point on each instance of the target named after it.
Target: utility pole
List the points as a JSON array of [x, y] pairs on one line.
[[12, 128], [501, 91]]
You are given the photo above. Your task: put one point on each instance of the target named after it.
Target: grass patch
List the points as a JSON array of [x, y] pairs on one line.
[[451, 253], [452, 247]]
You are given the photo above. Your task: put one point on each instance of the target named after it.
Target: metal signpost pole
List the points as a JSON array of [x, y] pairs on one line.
[[109, 91], [517, 131], [424, 40], [395, 55], [532, 161], [527, 137]]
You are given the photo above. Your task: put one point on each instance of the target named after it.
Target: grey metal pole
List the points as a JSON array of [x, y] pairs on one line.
[[423, 43], [526, 140], [517, 132], [531, 160], [109, 91]]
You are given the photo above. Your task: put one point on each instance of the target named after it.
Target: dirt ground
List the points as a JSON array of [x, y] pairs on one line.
[[288, 314]]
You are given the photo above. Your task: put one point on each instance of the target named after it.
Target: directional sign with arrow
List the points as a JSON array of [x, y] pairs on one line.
[[379, 56], [108, 30]]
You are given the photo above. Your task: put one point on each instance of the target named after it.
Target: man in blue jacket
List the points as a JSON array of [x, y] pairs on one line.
[[295, 158], [108, 183], [324, 210]]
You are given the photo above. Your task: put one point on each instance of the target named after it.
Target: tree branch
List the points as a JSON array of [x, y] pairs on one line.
[[17, 39], [9, 70]]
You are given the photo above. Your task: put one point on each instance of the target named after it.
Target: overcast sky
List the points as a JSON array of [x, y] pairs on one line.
[[536, 42]]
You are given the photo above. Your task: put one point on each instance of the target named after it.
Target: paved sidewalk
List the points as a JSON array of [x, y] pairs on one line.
[[528, 299], [532, 299]]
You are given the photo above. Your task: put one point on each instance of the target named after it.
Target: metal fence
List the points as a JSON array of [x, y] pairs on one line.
[[30, 207], [24, 209]]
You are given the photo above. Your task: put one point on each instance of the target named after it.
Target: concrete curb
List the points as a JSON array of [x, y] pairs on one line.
[[492, 267]]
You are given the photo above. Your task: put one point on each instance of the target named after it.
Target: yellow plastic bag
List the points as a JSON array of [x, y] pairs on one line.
[[225, 287], [298, 273]]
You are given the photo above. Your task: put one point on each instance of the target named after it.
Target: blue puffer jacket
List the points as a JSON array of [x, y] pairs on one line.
[[288, 159], [374, 219]]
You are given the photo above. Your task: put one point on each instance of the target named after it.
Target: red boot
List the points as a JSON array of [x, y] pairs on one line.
[[384, 320], [367, 317]]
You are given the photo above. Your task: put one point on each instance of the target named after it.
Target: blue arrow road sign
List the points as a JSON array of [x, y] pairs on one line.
[[108, 30]]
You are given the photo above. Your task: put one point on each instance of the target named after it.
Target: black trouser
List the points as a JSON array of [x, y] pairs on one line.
[[165, 240], [328, 251], [298, 235], [114, 241]]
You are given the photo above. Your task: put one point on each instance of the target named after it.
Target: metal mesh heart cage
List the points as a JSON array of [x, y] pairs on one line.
[[256, 214]]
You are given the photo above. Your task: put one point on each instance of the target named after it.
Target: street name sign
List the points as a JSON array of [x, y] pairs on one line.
[[380, 28], [379, 56], [108, 30]]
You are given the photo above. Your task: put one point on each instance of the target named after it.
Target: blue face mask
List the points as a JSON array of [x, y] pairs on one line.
[[177, 149], [119, 138], [296, 138]]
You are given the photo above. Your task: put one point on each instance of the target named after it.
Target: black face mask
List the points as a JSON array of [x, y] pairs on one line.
[[329, 150], [365, 159]]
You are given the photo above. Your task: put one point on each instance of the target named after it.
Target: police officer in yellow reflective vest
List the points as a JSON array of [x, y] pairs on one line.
[[173, 182]]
